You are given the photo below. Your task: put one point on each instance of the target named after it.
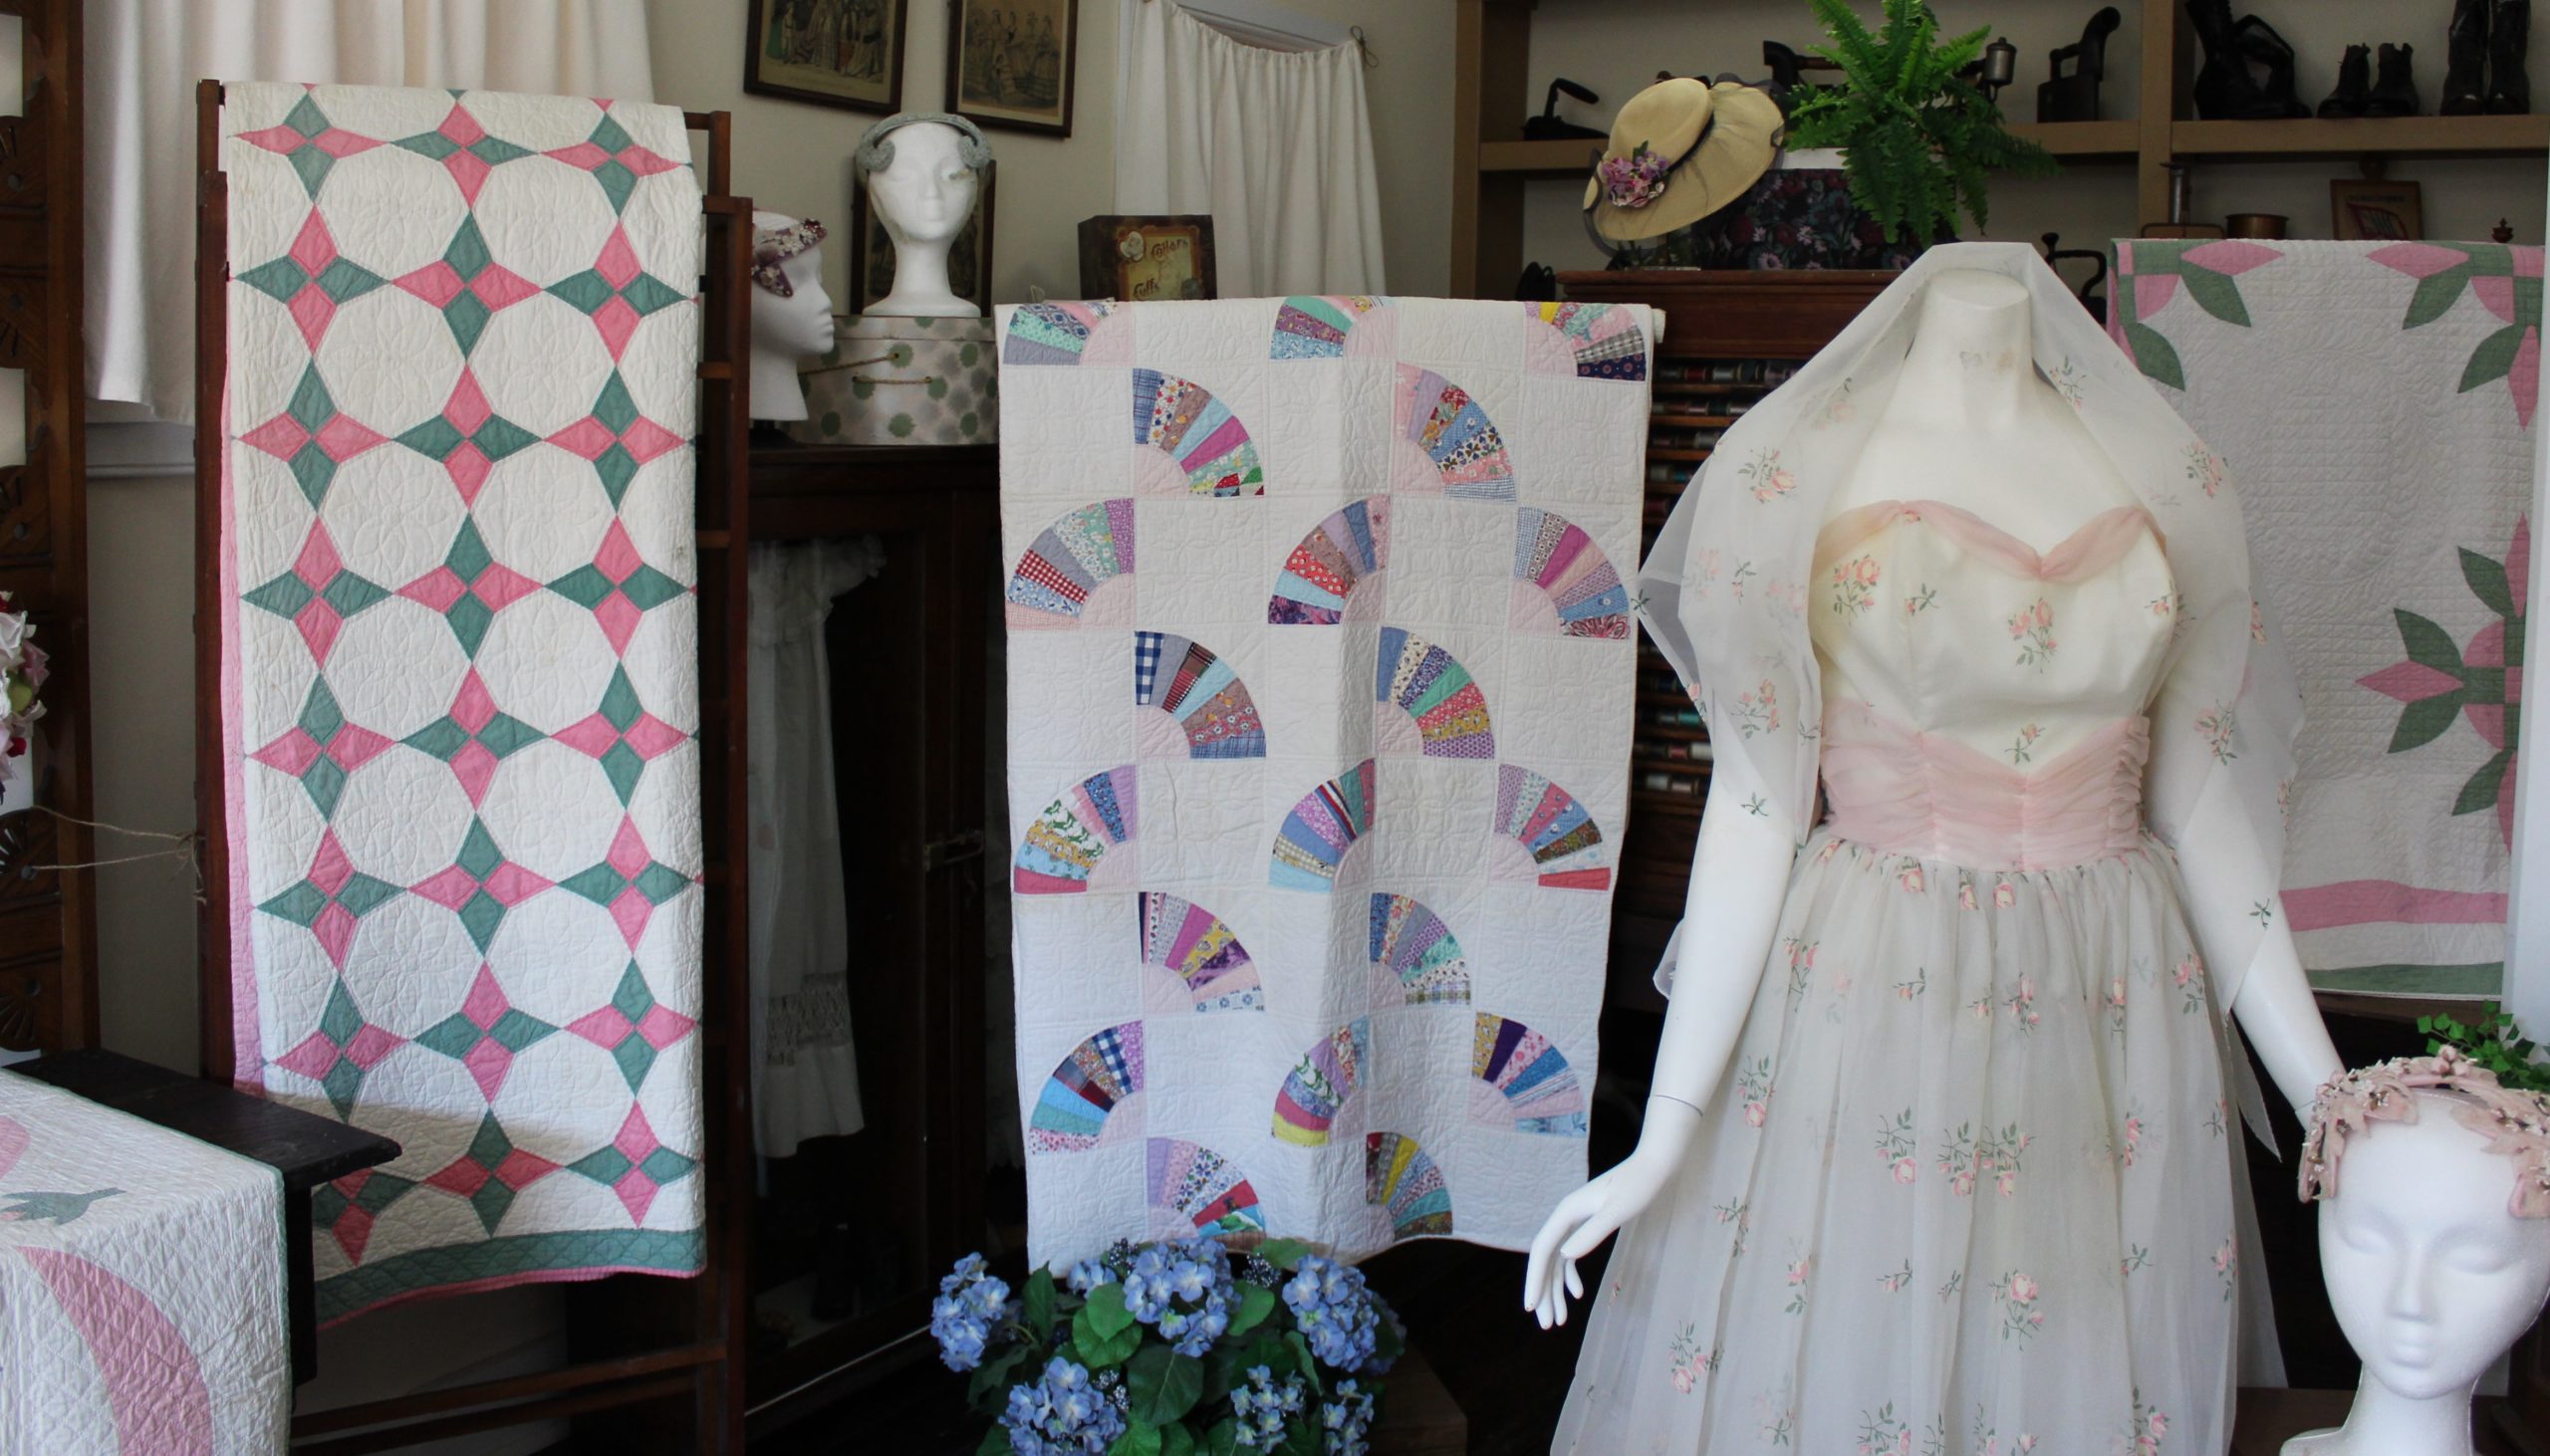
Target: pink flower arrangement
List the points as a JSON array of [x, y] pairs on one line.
[[1966, 895], [2005, 895], [1911, 877], [1906, 1171], [1755, 1113], [22, 671], [1636, 179]]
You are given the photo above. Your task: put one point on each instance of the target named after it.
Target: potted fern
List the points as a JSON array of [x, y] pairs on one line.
[[1917, 139]]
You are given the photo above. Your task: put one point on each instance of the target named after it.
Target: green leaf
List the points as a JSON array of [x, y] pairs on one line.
[[1162, 1384], [1256, 1302], [1302, 1437], [2487, 581], [996, 1444], [2424, 721], [1304, 1360], [1176, 1440], [1036, 1303], [1221, 1372], [2216, 294], [2436, 294], [1283, 1253], [988, 1389], [1138, 1440], [2426, 645], [1223, 1439], [1105, 1311], [2153, 354], [2494, 357], [2481, 790]]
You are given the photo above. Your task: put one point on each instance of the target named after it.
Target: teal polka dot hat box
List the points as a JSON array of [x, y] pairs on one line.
[[902, 381]]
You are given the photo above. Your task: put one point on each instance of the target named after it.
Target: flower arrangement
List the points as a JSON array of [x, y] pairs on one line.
[[2495, 1044], [1175, 1347], [22, 669], [1636, 179]]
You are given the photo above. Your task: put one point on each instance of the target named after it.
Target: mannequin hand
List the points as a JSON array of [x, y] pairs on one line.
[[1590, 1214]]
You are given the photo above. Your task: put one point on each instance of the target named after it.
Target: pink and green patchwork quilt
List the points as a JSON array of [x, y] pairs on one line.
[[141, 1286], [1320, 700], [2376, 402], [459, 672]]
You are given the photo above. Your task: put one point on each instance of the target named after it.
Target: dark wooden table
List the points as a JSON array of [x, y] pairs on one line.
[[305, 1148]]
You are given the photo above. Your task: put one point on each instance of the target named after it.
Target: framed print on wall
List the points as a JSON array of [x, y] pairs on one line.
[[835, 53], [1009, 63], [2376, 212], [1141, 259], [969, 254]]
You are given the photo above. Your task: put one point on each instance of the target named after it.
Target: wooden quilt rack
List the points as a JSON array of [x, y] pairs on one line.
[[654, 1364]]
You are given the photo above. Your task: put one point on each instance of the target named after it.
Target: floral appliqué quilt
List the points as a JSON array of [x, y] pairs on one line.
[[459, 673], [1320, 699]]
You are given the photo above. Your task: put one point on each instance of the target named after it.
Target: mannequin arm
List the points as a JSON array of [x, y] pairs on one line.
[[1739, 877], [2216, 858]]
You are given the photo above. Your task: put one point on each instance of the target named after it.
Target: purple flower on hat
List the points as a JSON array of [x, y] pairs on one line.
[[774, 246], [1636, 179]]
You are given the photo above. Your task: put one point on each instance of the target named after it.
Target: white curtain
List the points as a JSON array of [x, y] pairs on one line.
[[1276, 144], [143, 60]]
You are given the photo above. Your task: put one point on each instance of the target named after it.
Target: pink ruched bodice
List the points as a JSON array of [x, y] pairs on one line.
[[1984, 703]]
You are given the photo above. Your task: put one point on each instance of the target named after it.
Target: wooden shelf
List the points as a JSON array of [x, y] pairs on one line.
[[2083, 141], [1569, 156], [2366, 137]]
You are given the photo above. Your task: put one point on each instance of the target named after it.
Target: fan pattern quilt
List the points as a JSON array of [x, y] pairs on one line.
[[141, 1286], [459, 674], [1320, 701]]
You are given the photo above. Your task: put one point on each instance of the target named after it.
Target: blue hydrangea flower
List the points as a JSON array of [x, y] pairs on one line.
[[969, 1312], [1264, 1407], [1335, 1312], [1062, 1413], [1181, 1289], [1347, 1418], [1087, 1274]]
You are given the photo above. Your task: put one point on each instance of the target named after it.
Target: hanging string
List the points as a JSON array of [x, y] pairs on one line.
[[185, 844], [1371, 61]]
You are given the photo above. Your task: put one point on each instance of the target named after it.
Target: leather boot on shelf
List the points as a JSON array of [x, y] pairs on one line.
[[2465, 54], [2509, 32], [2260, 42], [2355, 84], [2394, 90], [2224, 89]]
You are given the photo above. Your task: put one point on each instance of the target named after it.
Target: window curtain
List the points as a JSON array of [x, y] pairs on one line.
[[143, 60], [1276, 144]]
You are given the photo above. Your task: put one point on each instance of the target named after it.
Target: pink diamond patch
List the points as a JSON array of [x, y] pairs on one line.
[[437, 588], [280, 436], [343, 440], [292, 753], [312, 1058], [435, 283]]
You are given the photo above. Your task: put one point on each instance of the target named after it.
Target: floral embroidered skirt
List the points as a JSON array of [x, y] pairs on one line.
[[1967, 1190]]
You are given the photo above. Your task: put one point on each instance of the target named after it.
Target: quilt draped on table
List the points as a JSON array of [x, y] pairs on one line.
[[459, 674], [2376, 400], [1320, 697], [141, 1286]]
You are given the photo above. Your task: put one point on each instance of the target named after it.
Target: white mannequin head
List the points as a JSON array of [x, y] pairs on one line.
[[922, 174], [2432, 1277], [789, 325]]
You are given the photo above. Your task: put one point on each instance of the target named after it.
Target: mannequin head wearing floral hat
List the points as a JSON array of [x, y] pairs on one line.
[[792, 315], [2436, 1246]]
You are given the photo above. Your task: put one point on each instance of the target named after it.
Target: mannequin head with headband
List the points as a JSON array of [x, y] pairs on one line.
[[2435, 1247], [923, 171]]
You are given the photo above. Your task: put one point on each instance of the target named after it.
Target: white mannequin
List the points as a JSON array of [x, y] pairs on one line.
[[2432, 1278], [924, 195], [787, 330], [1969, 424]]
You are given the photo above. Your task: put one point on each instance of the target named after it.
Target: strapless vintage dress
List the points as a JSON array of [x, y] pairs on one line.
[[1966, 1186]]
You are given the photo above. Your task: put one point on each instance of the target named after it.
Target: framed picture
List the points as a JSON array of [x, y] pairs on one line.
[[2376, 212], [835, 53], [1140, 259], [1009, 63], [969, 257]]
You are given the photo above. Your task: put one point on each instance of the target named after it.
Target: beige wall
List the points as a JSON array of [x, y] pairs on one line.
[[794, 157], [1616, 46]]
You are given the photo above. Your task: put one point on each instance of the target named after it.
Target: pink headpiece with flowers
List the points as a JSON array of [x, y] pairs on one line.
[[2516, 1124], [773, 246]]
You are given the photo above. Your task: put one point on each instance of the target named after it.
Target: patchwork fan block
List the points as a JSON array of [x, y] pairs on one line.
[[1068, 561], [1412, 946], [1464, 457], [1062, 334], [1065, 845], [1312, 845], [1074, 1110], [1320, 326], [1579, 593], [1592, 340], [1436, 693], [1191, 943], [1401, 1177], [1564, 844], [1195, 1190], [1532, 1083], [1200, 694], [522, 953], [1183, 422], [1348, 550], [1306, 1107]]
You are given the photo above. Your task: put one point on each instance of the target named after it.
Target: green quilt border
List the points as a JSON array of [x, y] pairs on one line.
[[2479, 979], [585, 1254]]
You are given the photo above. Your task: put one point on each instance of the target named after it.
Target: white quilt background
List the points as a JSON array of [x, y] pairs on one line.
[[1418, 1145]]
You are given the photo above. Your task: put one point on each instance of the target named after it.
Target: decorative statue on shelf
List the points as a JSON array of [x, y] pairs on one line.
[[923, 171], [792, 315], [1942, 1142], [2433, 1265]]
